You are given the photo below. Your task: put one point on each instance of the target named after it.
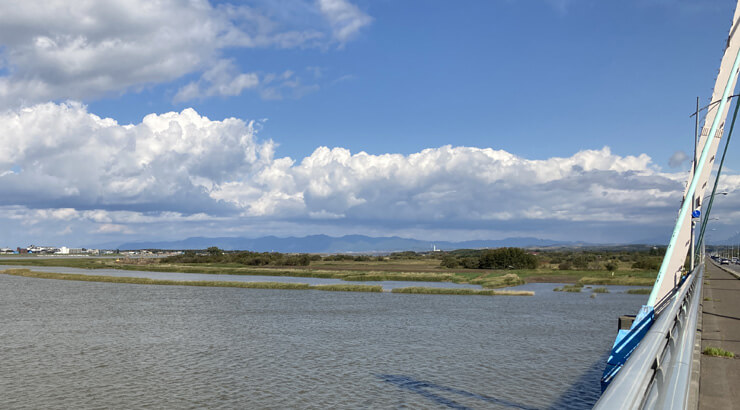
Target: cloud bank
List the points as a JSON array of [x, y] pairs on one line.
[[59, 155], [61, 163], [90, 48]]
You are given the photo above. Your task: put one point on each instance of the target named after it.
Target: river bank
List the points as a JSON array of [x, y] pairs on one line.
[[401, 270], [337, 287]]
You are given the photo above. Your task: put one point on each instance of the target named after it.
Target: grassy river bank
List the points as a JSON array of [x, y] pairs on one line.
[[258, 285], [425, 270]]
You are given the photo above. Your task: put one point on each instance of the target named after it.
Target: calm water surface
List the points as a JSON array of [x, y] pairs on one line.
[[69, 344]]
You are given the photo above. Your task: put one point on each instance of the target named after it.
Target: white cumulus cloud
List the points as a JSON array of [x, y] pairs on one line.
[[67, 157], [61, 163], [58, 49], [61, 49], [457, 185]]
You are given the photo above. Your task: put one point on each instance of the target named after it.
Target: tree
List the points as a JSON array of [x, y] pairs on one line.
[[646, 264], [470, 263], [450, 261], [580, 262], [507, 258]]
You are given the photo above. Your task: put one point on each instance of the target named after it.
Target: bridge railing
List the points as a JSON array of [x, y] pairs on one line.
[[658, 373]]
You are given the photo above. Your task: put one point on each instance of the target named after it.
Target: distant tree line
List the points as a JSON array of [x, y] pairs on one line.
[[609, 259], [634, 257], [501, 258], [216, 255], [405, 255]]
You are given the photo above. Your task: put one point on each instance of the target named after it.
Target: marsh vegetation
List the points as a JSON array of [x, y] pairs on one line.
[[223, 284], [600, 290], [459, 291], [490, 269], [569, 288]]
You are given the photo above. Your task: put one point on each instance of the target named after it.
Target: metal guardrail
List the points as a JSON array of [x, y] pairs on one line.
[[657, 374]]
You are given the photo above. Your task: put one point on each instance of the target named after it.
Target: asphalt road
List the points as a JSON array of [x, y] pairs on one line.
[[720, 377]]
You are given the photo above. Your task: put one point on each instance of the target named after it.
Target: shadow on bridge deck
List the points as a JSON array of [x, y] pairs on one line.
[[721, 311]]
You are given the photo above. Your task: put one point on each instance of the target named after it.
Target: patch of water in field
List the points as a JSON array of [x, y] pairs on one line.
[[68, 344]]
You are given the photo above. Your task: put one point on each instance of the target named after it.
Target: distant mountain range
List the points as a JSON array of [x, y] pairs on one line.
[[329, 244]]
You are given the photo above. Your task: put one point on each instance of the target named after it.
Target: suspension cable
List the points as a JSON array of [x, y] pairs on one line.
[[716, 179]]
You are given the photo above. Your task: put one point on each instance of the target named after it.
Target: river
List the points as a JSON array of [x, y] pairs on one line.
[[68, 344]]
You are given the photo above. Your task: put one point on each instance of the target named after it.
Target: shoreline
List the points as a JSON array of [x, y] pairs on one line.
[[489, 279]]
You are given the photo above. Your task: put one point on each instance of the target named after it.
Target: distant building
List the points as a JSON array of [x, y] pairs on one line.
[[41, 249]]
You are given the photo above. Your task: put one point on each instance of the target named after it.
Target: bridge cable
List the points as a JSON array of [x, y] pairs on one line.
[[716, 179]]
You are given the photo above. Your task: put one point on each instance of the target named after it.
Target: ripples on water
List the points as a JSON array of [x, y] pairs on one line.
[[68, 344]]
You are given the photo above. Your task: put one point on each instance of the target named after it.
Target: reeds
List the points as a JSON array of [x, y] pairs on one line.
[[348, 288], [619, 280], [460, 291], [600, 290], [220, 284], [504, 281], [401, 276], [569, 288], [641, 291]]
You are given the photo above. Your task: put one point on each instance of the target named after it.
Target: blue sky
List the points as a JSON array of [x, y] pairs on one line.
[[511, 75], [501, 115]]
